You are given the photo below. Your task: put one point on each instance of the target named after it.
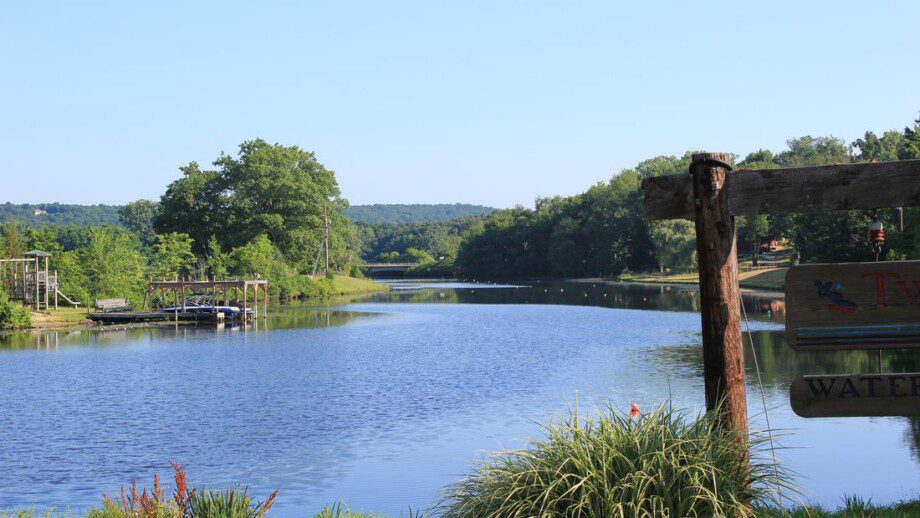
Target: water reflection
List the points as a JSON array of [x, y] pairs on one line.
[[602, 293], [280, 317]]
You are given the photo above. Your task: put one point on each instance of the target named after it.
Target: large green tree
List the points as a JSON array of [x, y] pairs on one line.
[[137, 217], [281, 192]]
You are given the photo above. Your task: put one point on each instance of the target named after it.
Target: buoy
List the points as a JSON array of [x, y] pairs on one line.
[[634, 410]]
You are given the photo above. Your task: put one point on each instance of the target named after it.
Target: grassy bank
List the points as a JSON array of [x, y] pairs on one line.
[[344, 285], [771, 279]]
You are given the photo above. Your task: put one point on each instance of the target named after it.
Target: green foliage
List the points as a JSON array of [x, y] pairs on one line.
[[172, 256], [13, 315], [234, 502], [137, 217], [414, 255], [437, 270], [194, 205], [74, 282], [281, 192], [600, 232], [399, 214], [661, 464], [260, 258], [438, 238], [217, 261], [112, 264], [675, 244], [40, 214], [12, 241]]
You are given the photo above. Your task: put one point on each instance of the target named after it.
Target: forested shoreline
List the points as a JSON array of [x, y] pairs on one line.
[[264, 212], [602, 232], [261, 213]]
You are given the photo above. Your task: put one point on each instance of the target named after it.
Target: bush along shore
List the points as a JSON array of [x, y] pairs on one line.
[[663, 463]]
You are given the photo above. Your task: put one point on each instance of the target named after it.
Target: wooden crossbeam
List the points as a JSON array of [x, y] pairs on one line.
[[803, 189], [173, 285]]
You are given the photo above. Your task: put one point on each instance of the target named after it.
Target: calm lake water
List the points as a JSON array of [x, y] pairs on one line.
[[382, 401]]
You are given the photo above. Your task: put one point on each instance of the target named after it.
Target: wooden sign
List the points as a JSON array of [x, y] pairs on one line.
[[856, 395], [805, 189], [853, 306]]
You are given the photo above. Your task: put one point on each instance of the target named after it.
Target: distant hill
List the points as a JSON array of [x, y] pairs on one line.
[[397, 213], [39, 214]]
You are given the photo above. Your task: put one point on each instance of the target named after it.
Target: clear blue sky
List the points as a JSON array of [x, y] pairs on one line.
[[481, 102]]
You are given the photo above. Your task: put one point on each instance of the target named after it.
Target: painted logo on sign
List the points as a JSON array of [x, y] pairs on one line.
[[833, 292]]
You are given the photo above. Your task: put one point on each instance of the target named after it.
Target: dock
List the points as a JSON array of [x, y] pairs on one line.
[[212, 302]]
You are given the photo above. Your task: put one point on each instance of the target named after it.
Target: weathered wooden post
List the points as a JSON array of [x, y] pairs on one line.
[[720, 309]]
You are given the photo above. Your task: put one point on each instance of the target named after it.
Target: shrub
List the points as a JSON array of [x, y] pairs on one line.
[[231, 503], [13, 315], [234, 502], [661, 464]]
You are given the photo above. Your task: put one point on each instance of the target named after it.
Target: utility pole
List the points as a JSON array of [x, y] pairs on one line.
[[326, 238]]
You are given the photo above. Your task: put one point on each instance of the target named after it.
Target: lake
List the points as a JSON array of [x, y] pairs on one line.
[[380, 401]]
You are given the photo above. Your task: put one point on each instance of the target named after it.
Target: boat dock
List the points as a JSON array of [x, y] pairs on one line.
[[210, 302]]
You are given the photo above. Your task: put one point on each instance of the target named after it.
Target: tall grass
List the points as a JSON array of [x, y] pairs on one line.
[[234, 502], [662, 464]]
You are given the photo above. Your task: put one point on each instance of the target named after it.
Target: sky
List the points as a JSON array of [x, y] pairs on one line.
[[493, 103]]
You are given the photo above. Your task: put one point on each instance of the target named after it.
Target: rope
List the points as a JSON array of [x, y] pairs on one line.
[[763, 399]]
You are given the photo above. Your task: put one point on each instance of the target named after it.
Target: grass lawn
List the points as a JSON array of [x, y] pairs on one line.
[[770, 279], [345, 285], [61, 317]]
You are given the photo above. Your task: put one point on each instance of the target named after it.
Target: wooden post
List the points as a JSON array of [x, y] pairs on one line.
[[55, 289], [245, 301], [265, 301], [47, 282], [720, 309], [255, 306], [35, 280]]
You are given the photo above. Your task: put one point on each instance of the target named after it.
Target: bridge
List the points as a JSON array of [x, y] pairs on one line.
[[385, 269]]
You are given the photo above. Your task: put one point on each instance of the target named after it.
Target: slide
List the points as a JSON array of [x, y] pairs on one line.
[[72, 303]]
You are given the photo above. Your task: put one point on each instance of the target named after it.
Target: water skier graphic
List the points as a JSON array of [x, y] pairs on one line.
[[833, 292]]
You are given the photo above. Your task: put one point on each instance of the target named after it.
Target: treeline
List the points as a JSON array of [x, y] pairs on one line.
[[40, 214], [603, 232], [440, 239], [260, 213], [398, 213]]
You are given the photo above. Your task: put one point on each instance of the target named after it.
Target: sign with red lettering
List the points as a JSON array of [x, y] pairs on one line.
[[856, 395], [853, 306]]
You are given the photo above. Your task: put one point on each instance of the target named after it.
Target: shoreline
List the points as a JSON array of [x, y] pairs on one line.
[[74, 319]]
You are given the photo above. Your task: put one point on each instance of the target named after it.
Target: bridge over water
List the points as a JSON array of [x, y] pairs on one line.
[[386, 269]]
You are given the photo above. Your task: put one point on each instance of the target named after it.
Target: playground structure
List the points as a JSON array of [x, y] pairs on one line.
[[29, 280]]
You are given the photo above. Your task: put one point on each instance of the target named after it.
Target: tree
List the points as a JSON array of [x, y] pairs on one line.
[[137, 217], [12, 243], [675, 244], [172, 256], [414, 255], [752, 229], [910, 149], [217, 261], [195, 205], [281, 192], [274, 190], [112, 264]]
